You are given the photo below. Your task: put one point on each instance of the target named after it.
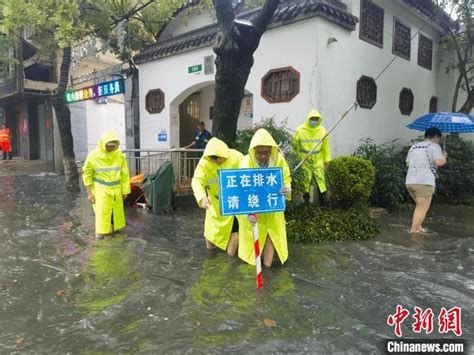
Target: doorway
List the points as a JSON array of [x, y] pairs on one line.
[[189, 116]]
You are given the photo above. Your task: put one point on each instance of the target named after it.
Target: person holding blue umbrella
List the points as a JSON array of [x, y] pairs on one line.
[[446, 122], [425, 157], [423, 160]]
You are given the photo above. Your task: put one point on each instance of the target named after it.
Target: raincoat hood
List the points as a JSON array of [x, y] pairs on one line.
[[217, 148], [314, 113], [262, 137], [108, 136]]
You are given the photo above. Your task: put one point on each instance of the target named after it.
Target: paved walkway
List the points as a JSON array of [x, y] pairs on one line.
[[23, 167]]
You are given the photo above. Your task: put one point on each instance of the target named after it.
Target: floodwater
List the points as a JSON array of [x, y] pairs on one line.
[[154, 287]]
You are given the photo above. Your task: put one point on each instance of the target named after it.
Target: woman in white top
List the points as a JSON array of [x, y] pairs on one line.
[[423, 160]]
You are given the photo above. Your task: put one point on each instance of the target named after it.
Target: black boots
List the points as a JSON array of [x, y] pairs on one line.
[[4, 155], [10, 155], [7, 155], [306, 197]]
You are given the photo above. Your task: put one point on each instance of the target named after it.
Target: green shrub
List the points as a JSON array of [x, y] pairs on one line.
[[283, 138], [388, 160], [350, 180], [279, 133], [455, 182], [310, 224]]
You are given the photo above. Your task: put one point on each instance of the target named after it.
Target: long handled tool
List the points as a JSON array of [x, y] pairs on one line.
[[256, 246], [353, 105]]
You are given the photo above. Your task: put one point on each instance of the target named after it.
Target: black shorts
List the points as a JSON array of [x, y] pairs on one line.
[[235, 226]]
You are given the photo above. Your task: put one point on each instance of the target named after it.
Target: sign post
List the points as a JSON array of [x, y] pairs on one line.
[[256, 248], [251, 191]]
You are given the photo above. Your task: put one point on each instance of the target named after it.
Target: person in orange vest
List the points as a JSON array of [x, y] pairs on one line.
[[5, 136]]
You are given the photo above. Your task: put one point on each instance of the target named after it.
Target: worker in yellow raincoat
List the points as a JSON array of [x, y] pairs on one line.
[[264, 153], [220, 231], [106, 177], [305, 138]]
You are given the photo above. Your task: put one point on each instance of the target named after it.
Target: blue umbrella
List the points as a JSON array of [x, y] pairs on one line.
[[446, 122]]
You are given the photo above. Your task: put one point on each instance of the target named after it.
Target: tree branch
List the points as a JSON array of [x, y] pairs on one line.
[[462, 61], [456, 93], [64, 73], [469, 104], [129, 14], [133, 11], [266, 15], [225, 14]]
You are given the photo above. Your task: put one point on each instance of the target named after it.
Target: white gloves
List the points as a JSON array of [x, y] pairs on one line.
[[252, 219]]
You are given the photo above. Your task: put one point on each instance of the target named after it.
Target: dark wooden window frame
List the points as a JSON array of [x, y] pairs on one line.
[[362, 35], [433, 107], [422, 38], [406, 110], [370, 105], [395, 33], [276, 70], [161, 106]]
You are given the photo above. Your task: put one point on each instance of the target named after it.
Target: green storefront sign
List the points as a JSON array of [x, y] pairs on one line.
[[195, 69]]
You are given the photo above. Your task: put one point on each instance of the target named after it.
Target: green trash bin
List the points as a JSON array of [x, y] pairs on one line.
[[158, 189]]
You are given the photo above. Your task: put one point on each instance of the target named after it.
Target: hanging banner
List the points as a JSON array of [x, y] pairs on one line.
[[97, 91]]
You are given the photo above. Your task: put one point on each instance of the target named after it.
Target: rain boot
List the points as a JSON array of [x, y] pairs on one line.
[[306, 197], [4, 155], [10, 155]]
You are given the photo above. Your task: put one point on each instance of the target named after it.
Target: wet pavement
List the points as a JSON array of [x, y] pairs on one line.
[[18, 166], [154, 287]]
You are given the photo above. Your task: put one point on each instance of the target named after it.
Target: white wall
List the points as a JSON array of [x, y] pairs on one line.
[[170, 75], [246, 112], [102, 118], [329, 73], [187, 21], [79, 129], [447, 82]]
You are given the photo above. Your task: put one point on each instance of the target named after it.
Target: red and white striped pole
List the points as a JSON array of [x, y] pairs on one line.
[[256, 246]]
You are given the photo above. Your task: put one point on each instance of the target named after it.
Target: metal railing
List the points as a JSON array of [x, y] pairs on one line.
[[147, 161]]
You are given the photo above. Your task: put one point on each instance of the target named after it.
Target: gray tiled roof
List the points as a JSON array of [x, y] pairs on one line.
[[287, 12], [429, 9]]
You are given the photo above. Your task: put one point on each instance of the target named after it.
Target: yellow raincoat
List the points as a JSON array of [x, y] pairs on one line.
[[107, 173], [272, 224], [217, 228], [305, 138]]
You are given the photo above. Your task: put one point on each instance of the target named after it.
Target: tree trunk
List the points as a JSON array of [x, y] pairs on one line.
[[231, 77], [236, 44], [63, 115], [456, 93], [469, 104]]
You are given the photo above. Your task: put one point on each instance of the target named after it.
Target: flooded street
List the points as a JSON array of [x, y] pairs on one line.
[[154, 287]]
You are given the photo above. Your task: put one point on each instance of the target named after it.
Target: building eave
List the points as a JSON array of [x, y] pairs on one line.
[[437, 19], [287, 13]]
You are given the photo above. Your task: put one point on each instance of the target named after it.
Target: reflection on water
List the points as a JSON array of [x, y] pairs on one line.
[[154, 288], [110, 276], [226, 308]]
